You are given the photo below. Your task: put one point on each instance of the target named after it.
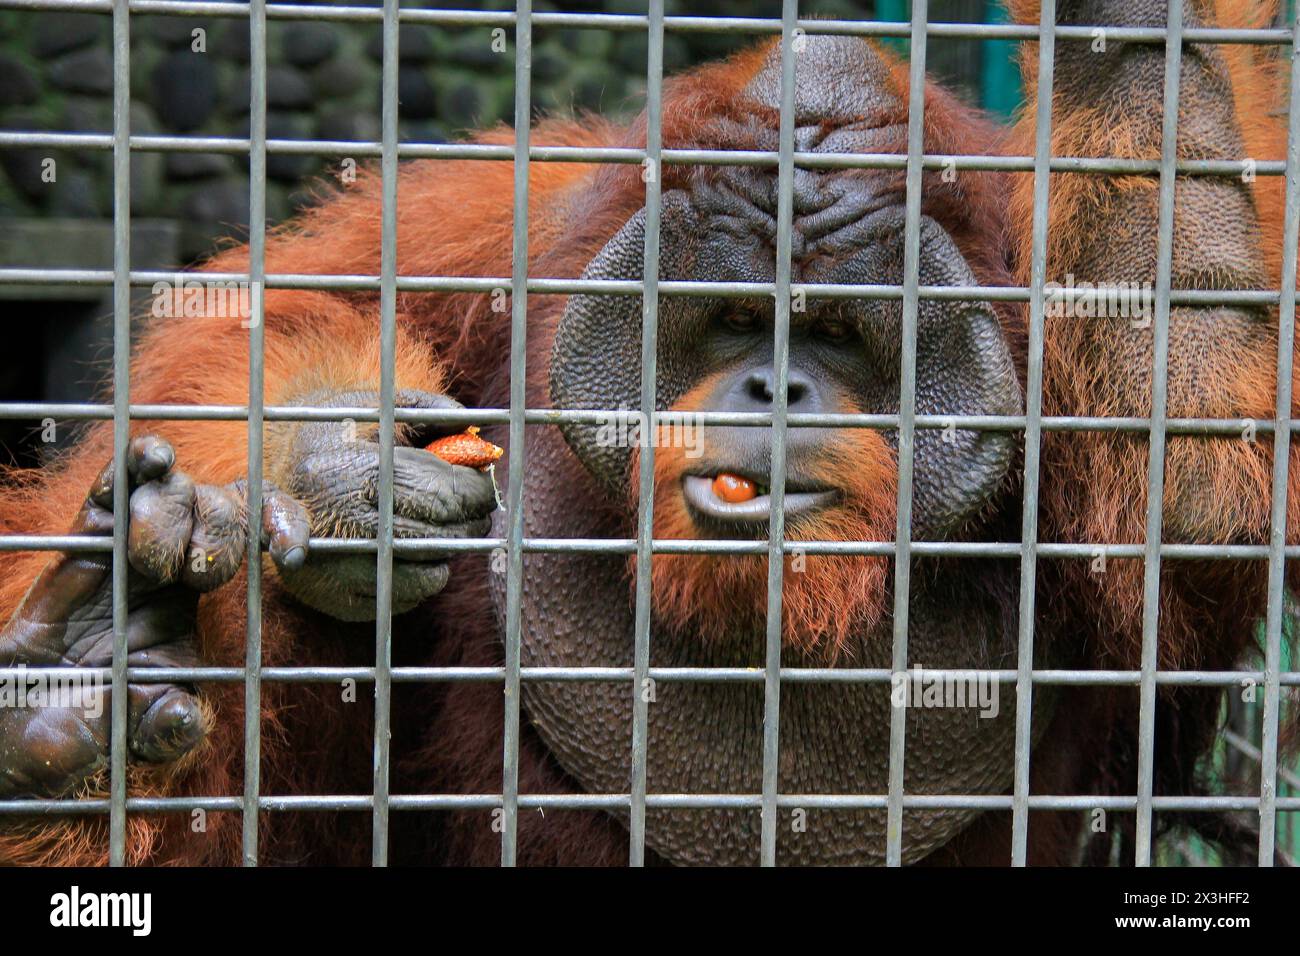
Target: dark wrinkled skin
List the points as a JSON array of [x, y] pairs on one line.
[[333, 469], [185, 539], [701, 738]]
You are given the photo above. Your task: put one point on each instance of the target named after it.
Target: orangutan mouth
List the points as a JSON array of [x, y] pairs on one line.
[[705, 501]]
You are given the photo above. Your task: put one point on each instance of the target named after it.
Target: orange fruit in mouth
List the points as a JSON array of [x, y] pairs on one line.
[[734, 489]]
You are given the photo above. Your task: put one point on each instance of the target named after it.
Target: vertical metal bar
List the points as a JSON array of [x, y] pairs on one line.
[[257, 277], [1033, 432], [387, 393], [906, 424], [649, 400], [121, 420], [1281, 471], [518, 401], [1156, 450], [781, 361]]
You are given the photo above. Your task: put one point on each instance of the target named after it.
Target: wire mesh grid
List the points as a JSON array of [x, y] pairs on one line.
[[1263, 751]]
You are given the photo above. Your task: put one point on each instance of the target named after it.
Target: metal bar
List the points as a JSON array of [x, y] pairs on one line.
[[1156, 449], [699, 675], [556, 416], [649, 402], [387, 436], [960, 549], [780, 401], [1268, 770], [169, 143], [906, 424], [616, 801], [1033, 434], [512, 675], [635, 23], [518, 400], [632, 287], [257, 269], [121, 424]]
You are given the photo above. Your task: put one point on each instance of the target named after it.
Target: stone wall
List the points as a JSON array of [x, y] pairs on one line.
[[323, 82]]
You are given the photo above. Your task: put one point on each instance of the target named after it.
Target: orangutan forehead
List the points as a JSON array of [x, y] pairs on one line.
[[838, 80]]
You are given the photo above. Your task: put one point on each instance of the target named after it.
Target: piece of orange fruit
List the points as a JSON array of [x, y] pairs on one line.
[[466, 449]]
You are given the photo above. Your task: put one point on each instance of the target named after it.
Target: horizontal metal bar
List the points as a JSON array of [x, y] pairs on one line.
[[86, 411], [155, 143], [684, 675], [640, 23], [997, 550], [954, 549], [615, 801], [622, 287]]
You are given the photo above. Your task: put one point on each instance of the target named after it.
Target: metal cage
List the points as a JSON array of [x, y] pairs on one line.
[[122, 142]]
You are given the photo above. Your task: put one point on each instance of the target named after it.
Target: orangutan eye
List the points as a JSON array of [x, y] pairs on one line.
[[834, 331], [740, 321]]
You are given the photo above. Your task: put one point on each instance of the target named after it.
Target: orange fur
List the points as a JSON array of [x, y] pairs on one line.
[[825, 598], [314, 340], [455, 218], [1217, 490]]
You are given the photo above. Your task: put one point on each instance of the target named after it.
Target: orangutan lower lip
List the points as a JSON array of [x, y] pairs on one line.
[[700, 496]]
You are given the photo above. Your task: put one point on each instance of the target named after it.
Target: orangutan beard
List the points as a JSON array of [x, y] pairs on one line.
[[825, 598]]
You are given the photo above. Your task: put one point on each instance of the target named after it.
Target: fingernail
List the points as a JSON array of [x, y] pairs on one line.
[[295, 558], [162, 456]]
